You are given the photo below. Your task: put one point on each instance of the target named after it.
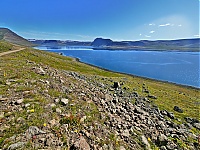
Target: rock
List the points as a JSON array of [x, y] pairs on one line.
[[64, 101], [138, 110], [27, 105], [21, 120], [152, 97], [58, 110], [197, 125], [116, 85], [1, 115], [33, 130], [162, 140], [122, 148], [53, 105], [145, 142], [171, 146], [164, 112], [16, 146], [56, 100], [163, 148], [83, 119], [40, 71], [170, 115], [80, 144], [176, 108], [188, 119], [125, 133], [19, 101]]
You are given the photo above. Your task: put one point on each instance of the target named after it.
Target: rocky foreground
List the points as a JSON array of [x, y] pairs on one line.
[[61, 109]]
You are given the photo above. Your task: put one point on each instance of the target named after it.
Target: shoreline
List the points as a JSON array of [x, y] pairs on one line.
[[131, 75]]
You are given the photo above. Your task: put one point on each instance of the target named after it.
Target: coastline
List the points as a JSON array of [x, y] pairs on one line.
[[131, 75]]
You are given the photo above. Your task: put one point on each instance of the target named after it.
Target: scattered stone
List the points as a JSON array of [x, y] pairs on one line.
[[145, 142], [80, 144], [188, 119], [56, 100], [58, 110], [116, 85], [21, 120], [197, 125], [33, 130], [162, 140], [64, 101], [83, 119], [40, 71], [176, 108], [170, 115], [122, 148], [53, 105], [16, 146], [27, 105], [19, 101], [152, 97]]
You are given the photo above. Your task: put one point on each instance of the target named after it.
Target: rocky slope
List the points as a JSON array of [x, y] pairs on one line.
[[43, 107]]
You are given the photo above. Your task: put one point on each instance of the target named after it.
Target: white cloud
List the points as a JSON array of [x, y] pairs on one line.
[[164, 25], [180, 25], [151, 32], [147, 36], [197, 35], [151, 24], [140, 34]]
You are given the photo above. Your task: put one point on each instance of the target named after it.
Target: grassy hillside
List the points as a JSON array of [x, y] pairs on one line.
[[40, 79], [9, 36]]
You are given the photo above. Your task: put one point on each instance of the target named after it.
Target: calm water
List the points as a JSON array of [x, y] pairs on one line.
[[177, 67]]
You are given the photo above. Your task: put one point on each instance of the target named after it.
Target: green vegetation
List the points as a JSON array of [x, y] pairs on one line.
[[4, 46], [17, 76]]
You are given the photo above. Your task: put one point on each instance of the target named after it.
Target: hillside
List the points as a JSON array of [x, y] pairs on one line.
[[65, 104], [9, 36]]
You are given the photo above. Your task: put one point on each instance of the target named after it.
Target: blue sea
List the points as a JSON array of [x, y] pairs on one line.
[[172, 66]]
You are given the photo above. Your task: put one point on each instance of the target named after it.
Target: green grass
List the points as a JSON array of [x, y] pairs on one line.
[[4, 46], [168, 95]]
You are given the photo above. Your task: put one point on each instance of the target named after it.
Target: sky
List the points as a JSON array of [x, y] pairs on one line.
[[119, 20]]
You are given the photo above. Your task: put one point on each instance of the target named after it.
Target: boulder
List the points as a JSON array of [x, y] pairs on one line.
[[170, 115], [80, 144], [116, 85], [64, 101], [19, 101], [176, 108], [16, 146], [197, 125], [145, 142]]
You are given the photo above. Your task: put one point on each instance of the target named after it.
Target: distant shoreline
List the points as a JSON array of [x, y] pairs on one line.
[[143, 49]]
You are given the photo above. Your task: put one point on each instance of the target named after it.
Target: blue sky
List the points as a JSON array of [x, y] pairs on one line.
[[116, 19]]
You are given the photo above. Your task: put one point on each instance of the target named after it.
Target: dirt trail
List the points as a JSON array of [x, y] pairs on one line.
[[9, 52]]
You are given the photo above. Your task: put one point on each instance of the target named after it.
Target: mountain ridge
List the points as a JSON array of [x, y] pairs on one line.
[[10, 36], [108, 44]]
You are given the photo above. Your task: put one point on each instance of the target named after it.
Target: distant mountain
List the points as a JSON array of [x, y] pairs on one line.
[[54, 43], [9, 36], [181, 44], [100, 42]]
